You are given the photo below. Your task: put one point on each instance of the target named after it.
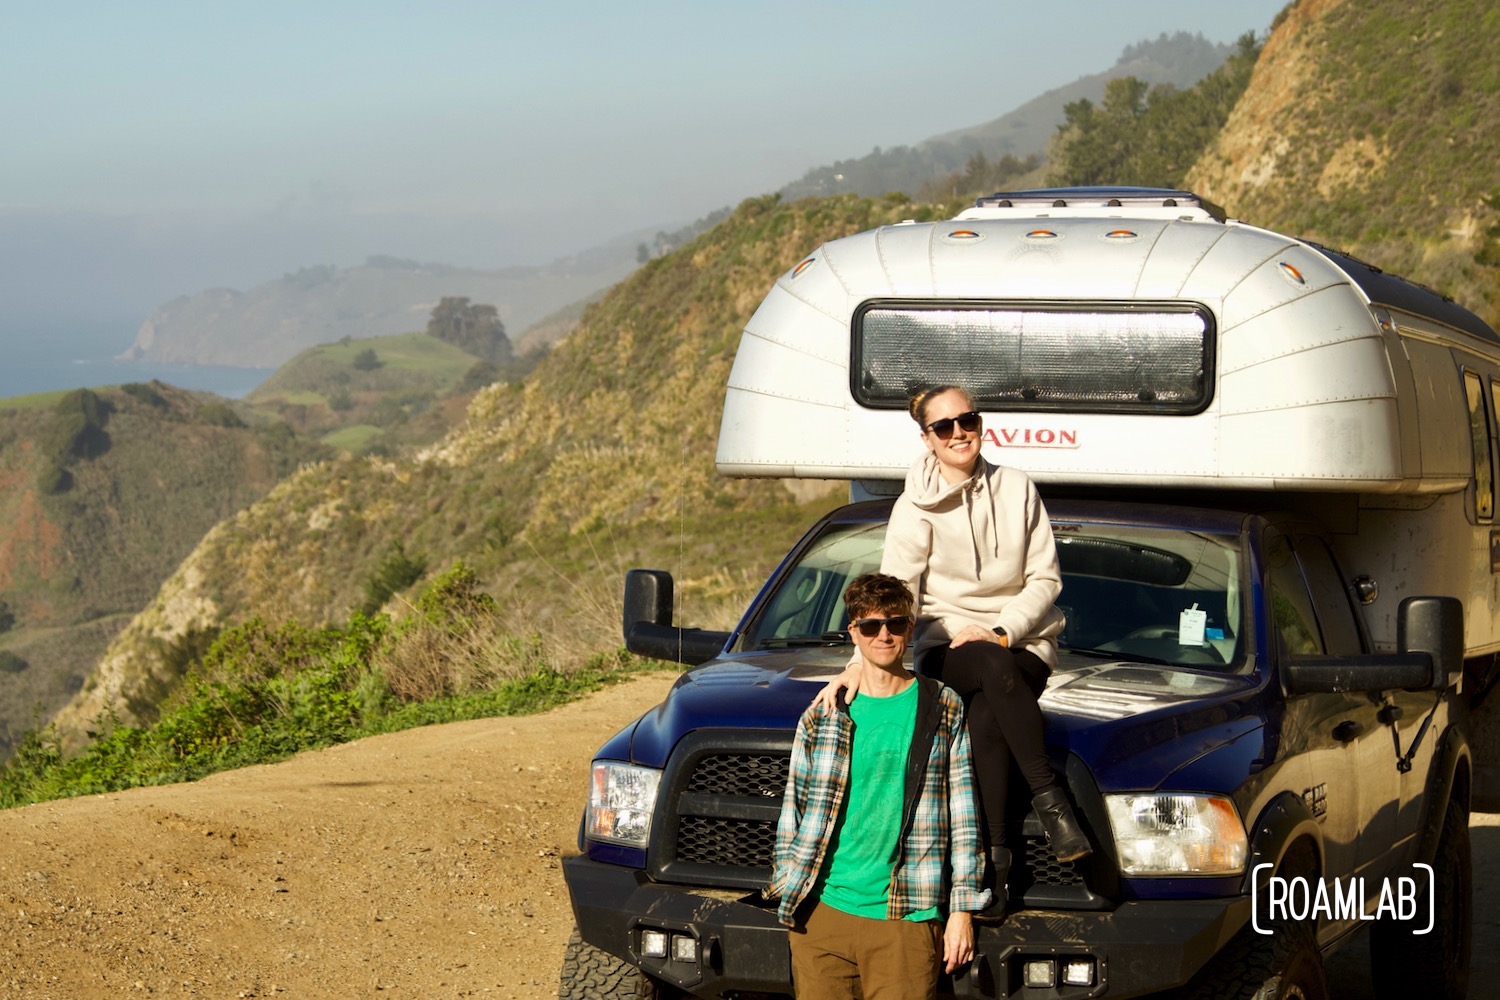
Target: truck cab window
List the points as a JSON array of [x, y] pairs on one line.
[[1292, 616], [1330, 597], [809, 600]]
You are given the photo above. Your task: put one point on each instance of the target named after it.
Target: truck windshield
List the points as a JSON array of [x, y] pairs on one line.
[[1161, 595], [1157, 595]]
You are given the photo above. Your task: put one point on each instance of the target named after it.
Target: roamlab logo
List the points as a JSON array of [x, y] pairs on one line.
[[1299, 898]]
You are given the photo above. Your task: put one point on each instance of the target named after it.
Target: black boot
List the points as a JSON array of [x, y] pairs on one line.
[[999, 875], [1064, 835]]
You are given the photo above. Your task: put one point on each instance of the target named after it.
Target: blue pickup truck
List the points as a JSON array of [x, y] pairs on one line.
[[1270, 475], [1273, 743]]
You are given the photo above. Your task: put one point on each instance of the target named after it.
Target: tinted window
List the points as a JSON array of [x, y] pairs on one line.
[[1292, 618], [1479, 437], [1330, 596], [809, 599]]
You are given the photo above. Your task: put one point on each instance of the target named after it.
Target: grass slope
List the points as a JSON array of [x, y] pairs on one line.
[[1374, 126], [97, 509]]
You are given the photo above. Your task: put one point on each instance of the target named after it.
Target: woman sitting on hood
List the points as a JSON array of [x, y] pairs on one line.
[[973, 542]]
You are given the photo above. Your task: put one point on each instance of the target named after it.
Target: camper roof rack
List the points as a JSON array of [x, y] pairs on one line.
[[1090, 200]]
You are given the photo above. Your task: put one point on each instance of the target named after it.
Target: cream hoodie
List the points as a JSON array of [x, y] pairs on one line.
[[978, 552]]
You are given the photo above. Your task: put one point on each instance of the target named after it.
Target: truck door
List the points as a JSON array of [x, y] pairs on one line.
[[1368, 718], [1324, 729]]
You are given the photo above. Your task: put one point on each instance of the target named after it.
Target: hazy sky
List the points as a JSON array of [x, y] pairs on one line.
[[486, 133]]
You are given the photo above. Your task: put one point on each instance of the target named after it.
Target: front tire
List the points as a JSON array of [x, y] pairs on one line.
[[1285, 965], [1436, 964], [1282, 965], [590, 973]]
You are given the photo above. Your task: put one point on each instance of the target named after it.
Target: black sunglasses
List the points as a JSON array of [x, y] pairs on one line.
[[968, 422], [870, 627]]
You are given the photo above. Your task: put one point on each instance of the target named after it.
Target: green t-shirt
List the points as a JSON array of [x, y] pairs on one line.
[[857, 876]]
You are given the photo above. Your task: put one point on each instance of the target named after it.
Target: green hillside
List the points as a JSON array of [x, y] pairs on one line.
[[102, 493], [373, 395], [1375, 127]]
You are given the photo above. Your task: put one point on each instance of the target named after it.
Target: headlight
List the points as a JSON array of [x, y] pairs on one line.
[[621, 799], [1182, 834]]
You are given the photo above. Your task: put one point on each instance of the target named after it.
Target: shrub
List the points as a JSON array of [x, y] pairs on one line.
[[366, 360], [219, 415], [145, 393], [10, 663], [53, 479], [263, 692], [77, 429], [396, 572]]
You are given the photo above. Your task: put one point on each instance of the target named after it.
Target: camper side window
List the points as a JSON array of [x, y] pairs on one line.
[[1479, 434]]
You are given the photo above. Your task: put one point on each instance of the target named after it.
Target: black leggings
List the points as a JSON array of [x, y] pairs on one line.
[[999, 687]]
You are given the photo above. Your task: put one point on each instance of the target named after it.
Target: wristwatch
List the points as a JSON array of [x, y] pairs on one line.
[[999, 631]]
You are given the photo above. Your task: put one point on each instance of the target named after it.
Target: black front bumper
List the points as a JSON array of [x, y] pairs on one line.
[[1138, 948]]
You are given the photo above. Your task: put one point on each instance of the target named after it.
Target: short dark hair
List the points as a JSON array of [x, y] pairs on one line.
[[870, 592]]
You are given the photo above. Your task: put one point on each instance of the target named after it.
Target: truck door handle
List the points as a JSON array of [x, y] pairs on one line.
[[1346, 731]]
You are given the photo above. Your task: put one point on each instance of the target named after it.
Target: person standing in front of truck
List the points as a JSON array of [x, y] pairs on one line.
[[878, 835], [973, 541]]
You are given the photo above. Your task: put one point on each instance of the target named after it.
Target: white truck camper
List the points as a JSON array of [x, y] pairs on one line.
[[1137, 340]]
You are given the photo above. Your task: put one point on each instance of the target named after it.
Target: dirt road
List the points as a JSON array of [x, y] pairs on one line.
[[420, 864]]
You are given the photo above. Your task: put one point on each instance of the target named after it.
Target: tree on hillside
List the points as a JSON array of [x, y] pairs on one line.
[[366, 360], [981, 176], [7, 617], [474, 327], [77, 429], [1148, 135]]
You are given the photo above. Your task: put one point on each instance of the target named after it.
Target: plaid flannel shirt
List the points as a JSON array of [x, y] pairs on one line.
[[938, 862]]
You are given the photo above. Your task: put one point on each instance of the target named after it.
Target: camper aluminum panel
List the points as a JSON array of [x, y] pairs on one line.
[[1409, 547], [1287, 319]]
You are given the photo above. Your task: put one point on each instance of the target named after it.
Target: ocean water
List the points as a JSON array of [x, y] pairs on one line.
[[84, 358]]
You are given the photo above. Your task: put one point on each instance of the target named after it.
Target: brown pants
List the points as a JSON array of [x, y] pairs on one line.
[[836, 956]]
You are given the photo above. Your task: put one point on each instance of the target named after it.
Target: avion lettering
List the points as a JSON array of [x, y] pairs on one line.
[[1031, 437]]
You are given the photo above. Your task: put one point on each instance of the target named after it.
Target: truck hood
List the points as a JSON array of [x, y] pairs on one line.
[[1133, 725]]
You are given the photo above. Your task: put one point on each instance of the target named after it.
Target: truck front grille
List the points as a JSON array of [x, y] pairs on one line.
[[720, 801], [716, 814], [702, 840], [762, 775], [1043, 868]]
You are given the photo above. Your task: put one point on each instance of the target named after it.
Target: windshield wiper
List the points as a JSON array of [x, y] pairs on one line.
[[1104, 654], [826, 639]]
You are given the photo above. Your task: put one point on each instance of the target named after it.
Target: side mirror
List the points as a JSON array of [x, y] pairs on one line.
[[1435, 626], [648, 597], [648, 622], [1429, 655]]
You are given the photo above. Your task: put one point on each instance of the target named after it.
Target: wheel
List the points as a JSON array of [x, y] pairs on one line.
[[1404, 964], [1282, 965], [590, 973], [1285, 965]]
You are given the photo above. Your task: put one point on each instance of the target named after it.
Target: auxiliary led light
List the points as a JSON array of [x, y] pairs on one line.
[[1078, 972], [684, 949], [1040, 972], [653, 944]]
